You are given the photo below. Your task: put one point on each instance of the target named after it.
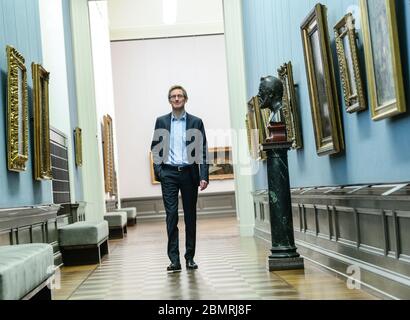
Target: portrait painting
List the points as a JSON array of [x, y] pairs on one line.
[[324, 103], [383, 61]]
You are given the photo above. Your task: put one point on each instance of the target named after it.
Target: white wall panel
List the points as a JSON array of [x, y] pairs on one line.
[[143, 71]]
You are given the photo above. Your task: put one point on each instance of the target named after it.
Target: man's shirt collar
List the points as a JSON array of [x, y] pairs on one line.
[[183, 117]]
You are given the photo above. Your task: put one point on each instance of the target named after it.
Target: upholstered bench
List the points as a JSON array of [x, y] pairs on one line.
[[25, 270], [131, 215], [117, 223], [83, 242]]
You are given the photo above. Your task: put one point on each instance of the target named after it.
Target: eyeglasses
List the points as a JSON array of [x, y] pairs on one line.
[[179, 96]]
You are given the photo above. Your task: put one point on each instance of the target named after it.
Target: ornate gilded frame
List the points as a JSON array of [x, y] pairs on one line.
[[78, 140], [258, 130], [289, 109], [42, 157], [151, 165], [321, 83], [253, 130], [349, 65], [383, 62], [221, 165], [108, 153], [248, 134], [17, 111]]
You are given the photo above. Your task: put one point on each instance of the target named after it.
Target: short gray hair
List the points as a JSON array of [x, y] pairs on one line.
[[177, 87]]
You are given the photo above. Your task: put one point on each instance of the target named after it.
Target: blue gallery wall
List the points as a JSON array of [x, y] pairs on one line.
[[19, 27], [375, 152], [72, 93]]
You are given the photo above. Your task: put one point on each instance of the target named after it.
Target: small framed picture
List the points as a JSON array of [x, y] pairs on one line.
[[220, 163], [289, 110], [348, 58], [78, 140]]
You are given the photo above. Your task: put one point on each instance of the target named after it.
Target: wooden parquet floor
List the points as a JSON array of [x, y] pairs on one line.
[[230, 267]]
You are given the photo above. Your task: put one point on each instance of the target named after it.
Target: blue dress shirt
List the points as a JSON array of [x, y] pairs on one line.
[[177, 147]]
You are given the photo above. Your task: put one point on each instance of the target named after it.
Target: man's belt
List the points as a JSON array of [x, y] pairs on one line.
[[176, 168]]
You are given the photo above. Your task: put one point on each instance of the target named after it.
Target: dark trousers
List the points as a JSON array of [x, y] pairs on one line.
[[172, 182]]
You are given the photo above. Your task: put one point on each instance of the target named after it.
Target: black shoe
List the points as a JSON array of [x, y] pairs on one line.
[[190, 264], [174, 267]]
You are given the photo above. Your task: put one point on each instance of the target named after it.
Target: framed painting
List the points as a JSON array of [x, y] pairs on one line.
[[383, 62], [78, 140], [17, 111], [42, 157], [151, 166], [324, 104], [349, 66], [289, 110], [108, 153], [253, 130], [260, 124], [220, 163], [248, 134]]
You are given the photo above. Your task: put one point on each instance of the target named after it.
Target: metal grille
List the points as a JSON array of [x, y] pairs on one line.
[[59, 167]]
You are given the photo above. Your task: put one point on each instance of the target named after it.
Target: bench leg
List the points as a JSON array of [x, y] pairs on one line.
[[80, 256], [118, 232], [104, 248], [43, 294], [132, 222]]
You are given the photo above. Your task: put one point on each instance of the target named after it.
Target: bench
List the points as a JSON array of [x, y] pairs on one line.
[[25, 271], [117, 223], [131, 215], [83, 242]]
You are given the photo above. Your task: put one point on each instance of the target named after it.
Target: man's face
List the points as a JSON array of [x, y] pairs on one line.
[[177, 99]]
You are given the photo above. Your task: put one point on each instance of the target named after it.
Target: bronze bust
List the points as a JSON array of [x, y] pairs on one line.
[[270, 96]]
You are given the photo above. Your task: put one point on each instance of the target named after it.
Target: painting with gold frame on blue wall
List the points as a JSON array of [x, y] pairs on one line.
[[383, 62], [17, 111], [324, 102]]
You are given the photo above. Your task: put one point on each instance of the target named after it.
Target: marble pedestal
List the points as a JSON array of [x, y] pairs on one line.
[[283, 252]]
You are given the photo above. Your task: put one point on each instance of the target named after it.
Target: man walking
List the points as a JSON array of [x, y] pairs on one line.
[[180, 153]]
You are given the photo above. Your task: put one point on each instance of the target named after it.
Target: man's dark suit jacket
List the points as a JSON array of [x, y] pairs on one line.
[[196, 146]]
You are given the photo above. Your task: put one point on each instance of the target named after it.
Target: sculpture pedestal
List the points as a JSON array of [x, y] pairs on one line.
[[283, 252]]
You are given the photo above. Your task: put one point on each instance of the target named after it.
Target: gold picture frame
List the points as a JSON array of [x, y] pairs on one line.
[[17, 111], [289, 109], [220, 163], [151, 166], [42, 157], [253, 130], [349, 65], [383, 62], [78, 141], [108, 153], [321, 83], [258, 131]]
